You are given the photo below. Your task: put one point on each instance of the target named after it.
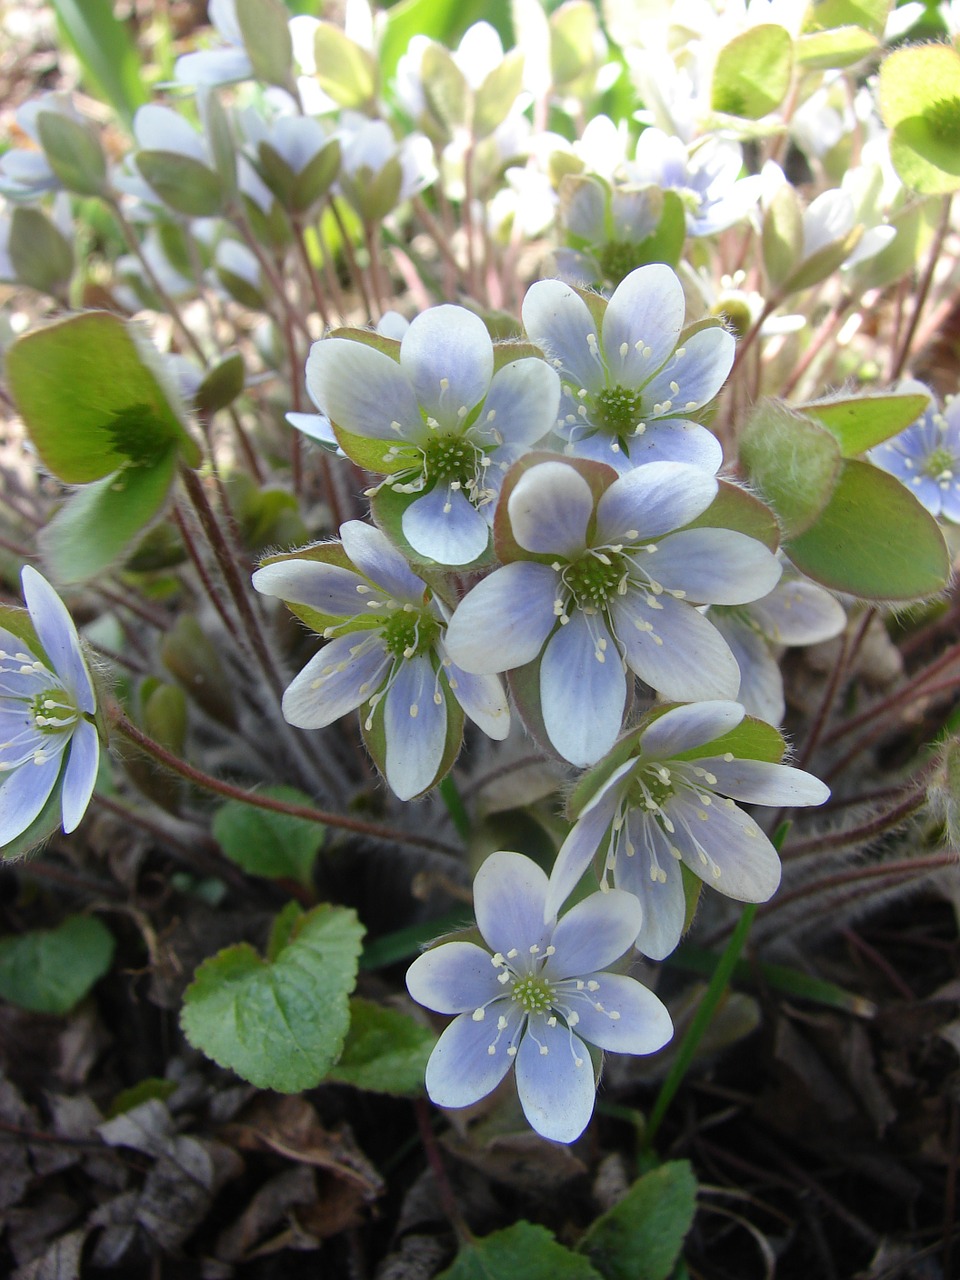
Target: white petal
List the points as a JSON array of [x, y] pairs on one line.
[[444, 525], [761, 684], [345, 673], [509, 893], [583, 690], [23, 794], [415, 726], [58, 636], [362, 390], [482, 698], [641, 1024], [503, 622], [461, 1071], [699, 373], [80, 775], [734, 856], [799, 613], [162, 129], [456, 977], [653, 500], [550, 507], [594, 934], [683, 728], [715, 566], [644, 315], [762, 782], [683, 656], [662, 900], [675, 440], [524, 399], [329, 588], [559, 322], [447, 354], [556, 1094], [583, 841], [374, 555]]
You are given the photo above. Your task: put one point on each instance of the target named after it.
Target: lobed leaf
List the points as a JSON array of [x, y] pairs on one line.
[[51, 970]]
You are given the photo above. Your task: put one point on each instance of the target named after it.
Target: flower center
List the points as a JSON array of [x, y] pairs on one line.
[[451, 459], [409, 633], [53, 711], [617, 410], [617, 259], [533, 993], [939, 464], [593, 579]]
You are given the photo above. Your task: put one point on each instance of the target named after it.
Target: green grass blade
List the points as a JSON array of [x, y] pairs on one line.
[[106, 51]]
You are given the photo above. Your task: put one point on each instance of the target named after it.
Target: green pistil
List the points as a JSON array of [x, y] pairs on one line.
[[938, 462], [617, 410], [451, 458], [617, 259], [409, 633], [652, 788], [53, 711], [533, 994], [592, 581]]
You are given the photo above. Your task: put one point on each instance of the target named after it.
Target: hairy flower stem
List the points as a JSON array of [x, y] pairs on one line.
[[355, 272], [912, 689], [315, 287], [904, 869], [270, 272], [902, 355], [863, 834], [438, 1169], [119, 721], [440, 240], [823, 335]]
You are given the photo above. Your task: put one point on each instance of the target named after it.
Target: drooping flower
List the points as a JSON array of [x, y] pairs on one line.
[[630, 383], [47, 705], [227, 62], [602, 587], [386, 650], [431, 413], [654, 810], [537, 999], [926, 457]]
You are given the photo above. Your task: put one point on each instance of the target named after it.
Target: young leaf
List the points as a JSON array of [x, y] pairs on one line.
[[792, 461], [182, 182], [841, 47], [51, 970], [264, 25], [521, 1252], [345, 70], [860, 422], [275, 845], [873, 539], [753, 70], [640, 1238], [920, 103], [74, 153], [279, 1023], [782, 234], [386, 1051], [40, 256]]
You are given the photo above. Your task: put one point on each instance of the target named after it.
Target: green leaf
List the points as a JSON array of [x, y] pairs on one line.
[[275, 845], [51, 970], [219, 136], [734, 508], [90, 398], [445, 89], [752, 739], [264, 25], [187, 652], [521, 1252], [74, 152], [497, 94], [753, 71], [860, 422], [782, 234], [873, 539], [920, 103], [98, 523], [915, 226], [641, 1237], [280, 1023], [316, 178], [345, 70], [822, 263], [185, 184], [792, 461], [40, 256], [107, 53], [221, 386], [825, 15], [386, 1051], [841, 47], [573, 39], [441, 20]]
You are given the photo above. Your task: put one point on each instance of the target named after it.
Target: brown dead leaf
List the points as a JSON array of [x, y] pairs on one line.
[[271, 1205], [61, 1261]]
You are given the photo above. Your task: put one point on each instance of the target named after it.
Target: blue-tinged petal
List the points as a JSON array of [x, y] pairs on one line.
[[555, 1081], [550, 508], [652, 874], [690, 380], [593, 934], [676, 440], [213, 67], [58, 636], [761, 683], [509, 893], [456, 977], [374, 555], [159, 128], [482, 697], [80, 775], [584, 840], [23, 793], [683, 728], [725, 847], [503, 622], [715, 566], [653, 500], [444, 525], [318, 427], [448, 356], [583, 689], [799, 613], [328, 588], [762, 782], [621, 1015], [674, 648], [415, 726], [345, 673], [642, 323], [522, 405], [461, 1070], [560, 323], [363, 391]]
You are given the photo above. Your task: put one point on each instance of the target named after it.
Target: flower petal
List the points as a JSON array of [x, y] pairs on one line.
[[725, 848], [690, 380], [799, 613], [762, 782], [448, 356], [524, 399], [336, 680], [23, 793], [456, 977], [642, 323], [583, 690], [683, 728], [715, 566], [509, 892], [621, 1015], [675, 649], [550, 508], [444, 525], [503, 622], [593, 934], [374, 555], [482, 698], [676, 440], [653, 500], [662, 900], [556, 1094], [415, 725], [80, 775], [362, 390], [461, 1071], [328, 588], [58, 635], [560, 323], [583, 841], [761, 684]]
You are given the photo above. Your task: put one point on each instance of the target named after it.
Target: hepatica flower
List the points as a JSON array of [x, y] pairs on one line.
[[386, 653], [659, 807], [926, 457], [537, 1001], [630, 383], [603, 587], [432, 414], [47, 704]]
